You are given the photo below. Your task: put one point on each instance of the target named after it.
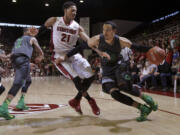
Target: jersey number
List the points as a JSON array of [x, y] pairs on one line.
[[18, 43], [65, 37]]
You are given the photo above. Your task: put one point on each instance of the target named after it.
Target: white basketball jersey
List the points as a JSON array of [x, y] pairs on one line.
[[64, 36]]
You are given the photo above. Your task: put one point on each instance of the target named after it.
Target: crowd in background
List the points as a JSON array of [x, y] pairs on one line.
[[163, 34]]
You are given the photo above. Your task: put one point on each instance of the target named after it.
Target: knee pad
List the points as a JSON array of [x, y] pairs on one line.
[[2, 89], [87, 83], [135, 91], [106, 87], [122, 98]]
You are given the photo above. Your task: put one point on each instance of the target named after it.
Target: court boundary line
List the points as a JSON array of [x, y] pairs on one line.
[[163, 93], [116, 101]]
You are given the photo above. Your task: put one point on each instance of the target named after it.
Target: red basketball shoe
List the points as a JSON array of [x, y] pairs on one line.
[[75, 104], [94, 106]]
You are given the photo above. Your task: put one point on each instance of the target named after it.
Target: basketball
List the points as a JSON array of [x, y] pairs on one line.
[[156, 55], [34, 31]]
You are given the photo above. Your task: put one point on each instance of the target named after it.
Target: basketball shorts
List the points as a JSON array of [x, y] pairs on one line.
[[74, 66]]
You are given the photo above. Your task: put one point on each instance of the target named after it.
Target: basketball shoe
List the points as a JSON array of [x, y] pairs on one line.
[[5, 114], [145, 111], [148, 99], [75, 104], [94, 106], [21, 105]]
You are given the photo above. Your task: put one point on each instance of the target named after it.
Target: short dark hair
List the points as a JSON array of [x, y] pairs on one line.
[[68, 4], [114, 26], [25, 29]]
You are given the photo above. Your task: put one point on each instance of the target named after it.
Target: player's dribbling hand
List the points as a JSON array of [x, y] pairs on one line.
[[59, 60]]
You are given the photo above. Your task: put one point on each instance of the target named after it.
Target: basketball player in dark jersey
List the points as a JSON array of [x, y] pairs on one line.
[[116, 76], [20, 56]]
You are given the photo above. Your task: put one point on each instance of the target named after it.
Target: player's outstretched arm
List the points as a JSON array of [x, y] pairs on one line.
[[124, 42], [94, 41], [50, 22], [83, 35], [34, 42]]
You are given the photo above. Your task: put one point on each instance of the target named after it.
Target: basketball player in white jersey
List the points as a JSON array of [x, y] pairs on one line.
[[65, 33]]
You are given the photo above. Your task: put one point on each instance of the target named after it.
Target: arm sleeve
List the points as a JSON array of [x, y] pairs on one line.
[[78, 49]]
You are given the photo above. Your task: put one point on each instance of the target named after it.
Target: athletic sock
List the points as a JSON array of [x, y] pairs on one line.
[[78, 96], [88, 97], [6, 103]]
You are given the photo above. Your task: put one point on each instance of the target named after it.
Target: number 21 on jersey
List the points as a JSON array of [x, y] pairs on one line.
[[65, 37]]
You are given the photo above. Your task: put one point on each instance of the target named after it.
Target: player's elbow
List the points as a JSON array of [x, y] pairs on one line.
[[47, 24], [90, 44], [50, 22]]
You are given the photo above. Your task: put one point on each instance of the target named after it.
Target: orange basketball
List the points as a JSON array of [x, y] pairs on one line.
[[34, 31], [156, 55]]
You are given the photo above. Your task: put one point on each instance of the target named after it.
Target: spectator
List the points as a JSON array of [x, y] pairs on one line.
[[164, 71], [147, 73], [175, 54], [176, 73], [134, 72], [126, 53]]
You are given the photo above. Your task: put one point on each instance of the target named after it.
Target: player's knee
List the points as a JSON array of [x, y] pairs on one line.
[[108, 87], [115, 93], [15, 88], [76, 79], [77, 83], [113, 89], [29, 82], [122, 98], [91, 79], [136, 91], [25, 88], [87, 83]]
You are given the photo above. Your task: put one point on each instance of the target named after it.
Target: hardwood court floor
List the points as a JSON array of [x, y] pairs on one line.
[[115, 118]]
